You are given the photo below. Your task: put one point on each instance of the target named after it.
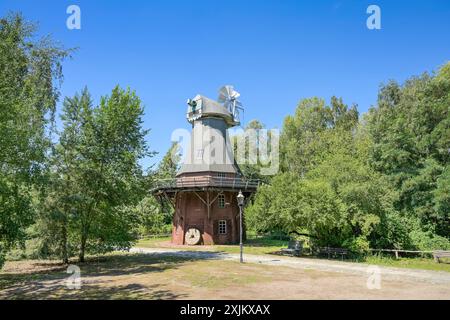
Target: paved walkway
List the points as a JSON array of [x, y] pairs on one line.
[[439, 277]]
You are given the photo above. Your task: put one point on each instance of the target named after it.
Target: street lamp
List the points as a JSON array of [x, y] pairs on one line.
[[240, 200]]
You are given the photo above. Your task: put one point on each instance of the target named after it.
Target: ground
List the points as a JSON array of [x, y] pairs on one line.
[[260, 246], [147, 273]]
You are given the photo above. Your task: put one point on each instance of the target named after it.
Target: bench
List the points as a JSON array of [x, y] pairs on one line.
[[333, 252], [294, 248], [437, 255]]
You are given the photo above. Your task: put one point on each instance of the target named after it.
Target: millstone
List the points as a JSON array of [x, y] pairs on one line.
[[192, 236]]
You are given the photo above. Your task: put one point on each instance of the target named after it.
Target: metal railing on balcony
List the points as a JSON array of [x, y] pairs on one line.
[[207, 181]]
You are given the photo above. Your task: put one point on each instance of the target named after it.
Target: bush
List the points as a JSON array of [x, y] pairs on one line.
[[159, 229], [427, 241], [358, 245]]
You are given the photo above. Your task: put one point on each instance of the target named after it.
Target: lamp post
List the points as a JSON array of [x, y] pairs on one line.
[[240, 199]]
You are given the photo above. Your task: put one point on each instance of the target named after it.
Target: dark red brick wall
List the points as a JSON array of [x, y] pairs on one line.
[[190, 211]]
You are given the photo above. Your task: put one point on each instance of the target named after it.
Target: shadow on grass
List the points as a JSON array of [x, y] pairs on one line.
[[116, 276]]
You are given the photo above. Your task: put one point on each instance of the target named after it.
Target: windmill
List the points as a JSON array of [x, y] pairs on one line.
[[229, 97], [205, 191]]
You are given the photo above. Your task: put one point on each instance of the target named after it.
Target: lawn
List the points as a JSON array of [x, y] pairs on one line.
[[159, 276], [252, 245], [126, 276], [409, 263], [269, 246]]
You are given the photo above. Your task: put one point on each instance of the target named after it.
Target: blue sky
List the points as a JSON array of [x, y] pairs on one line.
[[274, 52]]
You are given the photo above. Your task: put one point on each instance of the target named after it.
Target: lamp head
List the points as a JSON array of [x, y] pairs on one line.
[[240, 198]]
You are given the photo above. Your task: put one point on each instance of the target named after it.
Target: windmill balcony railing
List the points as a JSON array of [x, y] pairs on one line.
[[207, 181]]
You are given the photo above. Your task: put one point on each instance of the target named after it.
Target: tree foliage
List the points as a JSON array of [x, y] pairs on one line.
[[156, 215], [96, 175], [381, 181], [30, 71], [301, 149], [247, 150], [410, 130]]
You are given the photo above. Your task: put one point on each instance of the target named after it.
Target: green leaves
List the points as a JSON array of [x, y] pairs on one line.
[[30, 71], [410, 130], [307, 136], [96, 174], [169, 165], [380, 182]]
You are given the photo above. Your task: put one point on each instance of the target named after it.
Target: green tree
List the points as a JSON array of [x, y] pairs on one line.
[[252, 164], [97, 179], [330, 191], [111, 177], [154, 218], [64, 198], [170, 163], [380, 182], [156, 215], [340, 202], [291, 204], [30, 71], [300, 147], [410, 130]]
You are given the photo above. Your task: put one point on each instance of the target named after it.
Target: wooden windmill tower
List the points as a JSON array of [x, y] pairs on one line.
[[204, 191]]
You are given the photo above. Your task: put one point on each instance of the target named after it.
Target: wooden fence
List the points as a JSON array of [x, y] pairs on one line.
[[397, 251]]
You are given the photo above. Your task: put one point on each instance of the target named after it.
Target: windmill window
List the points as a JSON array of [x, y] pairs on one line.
[[200, 154], [221, 201], [222, 227], [221, 175]]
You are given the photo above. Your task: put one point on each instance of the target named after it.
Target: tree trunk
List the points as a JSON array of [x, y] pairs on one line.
[[65, 256], [83, 246]]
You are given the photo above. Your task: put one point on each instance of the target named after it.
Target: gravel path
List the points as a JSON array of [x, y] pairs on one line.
[[438, 277]]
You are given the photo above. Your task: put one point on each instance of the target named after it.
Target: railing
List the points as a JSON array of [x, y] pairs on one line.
[[207, 181], [397, 251], [191, 115]]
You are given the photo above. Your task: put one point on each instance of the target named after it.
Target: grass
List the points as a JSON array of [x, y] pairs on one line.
[[266, 246], [252, 245], [409, 263], [125, 276], [153, 242], [160, 276]]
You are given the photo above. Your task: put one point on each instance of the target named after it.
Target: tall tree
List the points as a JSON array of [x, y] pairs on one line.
[[338, 202], [300, 145], [156, 216], [30, 71], [248, 145], [97, 175], [65, 196], [382, 182], [170, 163], [410, 129], [110, 173]]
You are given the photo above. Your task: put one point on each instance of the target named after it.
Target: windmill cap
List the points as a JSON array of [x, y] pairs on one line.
[[202, 107]]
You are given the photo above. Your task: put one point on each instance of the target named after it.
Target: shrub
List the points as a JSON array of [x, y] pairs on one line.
[[358, 245], [427, 241]]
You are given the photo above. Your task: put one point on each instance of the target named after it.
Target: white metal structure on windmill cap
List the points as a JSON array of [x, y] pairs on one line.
[[227, 107], [229, 97]]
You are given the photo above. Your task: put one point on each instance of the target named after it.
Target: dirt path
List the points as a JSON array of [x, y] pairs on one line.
[[433, 277]]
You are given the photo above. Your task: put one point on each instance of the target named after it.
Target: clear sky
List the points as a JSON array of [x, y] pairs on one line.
[[275, 52]]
